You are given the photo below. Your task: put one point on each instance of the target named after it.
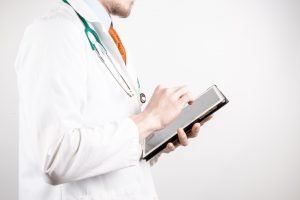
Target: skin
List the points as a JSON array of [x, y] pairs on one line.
[[183, 137], [165, 104], [121, 8]]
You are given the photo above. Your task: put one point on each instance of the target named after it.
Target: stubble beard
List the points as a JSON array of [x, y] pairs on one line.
[[116, 8]]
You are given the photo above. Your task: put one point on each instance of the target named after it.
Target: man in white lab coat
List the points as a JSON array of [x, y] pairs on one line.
[[80, 133]]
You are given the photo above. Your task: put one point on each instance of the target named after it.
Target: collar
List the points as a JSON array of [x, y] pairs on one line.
[[92, 11], [101, 13]]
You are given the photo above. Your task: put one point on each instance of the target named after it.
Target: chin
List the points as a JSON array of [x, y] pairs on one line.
[[125, 13], [124, 10]]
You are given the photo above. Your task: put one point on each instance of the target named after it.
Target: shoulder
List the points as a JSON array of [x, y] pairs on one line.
[[53, 40], [59, 23]]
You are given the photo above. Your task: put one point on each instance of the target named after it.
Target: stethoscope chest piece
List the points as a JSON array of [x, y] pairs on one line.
[[142, 97]]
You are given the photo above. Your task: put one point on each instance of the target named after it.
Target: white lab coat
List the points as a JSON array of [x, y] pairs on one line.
[[76, 140]]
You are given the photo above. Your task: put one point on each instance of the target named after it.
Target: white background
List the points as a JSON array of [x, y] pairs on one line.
[[249, 48]]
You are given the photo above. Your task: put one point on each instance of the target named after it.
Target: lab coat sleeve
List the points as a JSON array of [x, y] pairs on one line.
[[52, 69], [155, 158]]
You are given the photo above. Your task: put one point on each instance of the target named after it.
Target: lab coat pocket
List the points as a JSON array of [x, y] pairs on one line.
[[86, 197], [74, 191], [128, 192]]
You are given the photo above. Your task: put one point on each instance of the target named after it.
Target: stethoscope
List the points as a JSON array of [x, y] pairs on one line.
[[104, 56]]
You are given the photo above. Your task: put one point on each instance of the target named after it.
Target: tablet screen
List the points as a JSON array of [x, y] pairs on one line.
[[191, 112]]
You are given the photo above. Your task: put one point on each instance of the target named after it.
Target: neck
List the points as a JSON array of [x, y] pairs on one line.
[[104, 3]]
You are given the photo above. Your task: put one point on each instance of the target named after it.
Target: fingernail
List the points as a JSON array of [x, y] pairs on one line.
[[197, 129]]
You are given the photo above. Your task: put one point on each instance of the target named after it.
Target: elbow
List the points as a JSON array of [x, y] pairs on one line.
[[53, 177], [57, 161], [54, 171]]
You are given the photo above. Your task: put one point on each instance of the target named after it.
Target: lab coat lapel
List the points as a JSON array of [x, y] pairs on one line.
[[84, 10], [114, 51]]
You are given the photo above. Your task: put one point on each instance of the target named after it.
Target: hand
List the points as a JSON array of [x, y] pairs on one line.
[[183, 136], [164, 106]]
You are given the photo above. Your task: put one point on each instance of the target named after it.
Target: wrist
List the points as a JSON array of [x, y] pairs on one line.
[[146, 123]]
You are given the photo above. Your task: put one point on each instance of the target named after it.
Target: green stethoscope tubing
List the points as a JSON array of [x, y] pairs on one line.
[[87, 30]]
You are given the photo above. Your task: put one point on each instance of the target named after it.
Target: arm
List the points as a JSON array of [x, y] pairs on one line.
[[52, 73]]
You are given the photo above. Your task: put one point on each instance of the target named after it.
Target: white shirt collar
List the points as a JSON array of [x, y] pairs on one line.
[[92, 13], [101, 13]]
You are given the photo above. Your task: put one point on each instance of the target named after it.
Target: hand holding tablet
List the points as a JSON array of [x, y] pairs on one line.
[[200, 110], [183, 137]]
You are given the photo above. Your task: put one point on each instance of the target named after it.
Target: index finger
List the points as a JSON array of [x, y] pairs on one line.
[[186, 98], [179, 91]]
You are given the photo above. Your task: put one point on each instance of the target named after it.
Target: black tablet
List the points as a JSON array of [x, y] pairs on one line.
[[203, 106]]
